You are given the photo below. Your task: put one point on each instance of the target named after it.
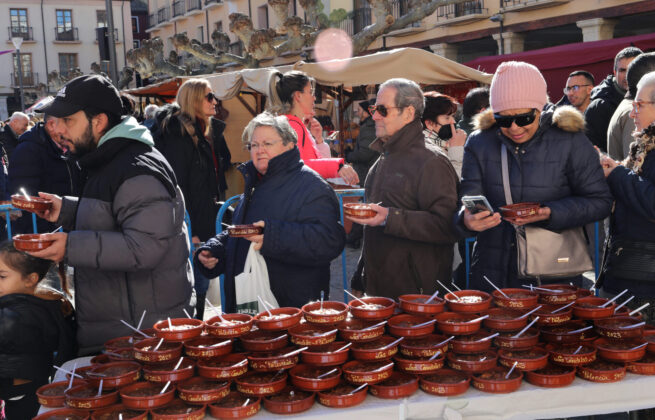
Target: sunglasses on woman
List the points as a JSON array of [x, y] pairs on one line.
[[211, 97], [383, 110], [521, 120]]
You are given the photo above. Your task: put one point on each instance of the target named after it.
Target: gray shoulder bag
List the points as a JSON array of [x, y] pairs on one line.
[[543, 253]]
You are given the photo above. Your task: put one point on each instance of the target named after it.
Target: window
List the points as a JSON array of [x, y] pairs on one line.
[[67, 62], [18, 20], [262, 15], [64, 30], [135, 24], [101, 18], [26, 65], [201, 34], [136, 43]]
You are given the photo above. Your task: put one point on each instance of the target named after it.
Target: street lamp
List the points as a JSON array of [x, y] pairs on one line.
[[18, 41], [498, 17]]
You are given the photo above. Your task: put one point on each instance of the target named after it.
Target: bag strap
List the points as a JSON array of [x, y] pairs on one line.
[[302, 128], [505, 172]]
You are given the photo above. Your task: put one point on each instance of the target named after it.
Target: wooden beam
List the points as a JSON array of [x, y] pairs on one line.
[[247, 105]]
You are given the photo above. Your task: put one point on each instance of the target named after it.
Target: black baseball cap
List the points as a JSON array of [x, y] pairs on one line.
[[90, 91]]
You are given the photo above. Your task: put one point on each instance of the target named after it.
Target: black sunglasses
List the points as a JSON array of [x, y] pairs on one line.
[[521, 120], [211, 97], [383, 110]]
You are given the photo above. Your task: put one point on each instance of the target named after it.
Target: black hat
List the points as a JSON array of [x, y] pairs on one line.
[[92, 91], [364, 105]]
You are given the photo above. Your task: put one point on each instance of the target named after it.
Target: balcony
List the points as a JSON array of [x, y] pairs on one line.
[[193, 6], [178, 8], [461, 13], [66, 35], [30, 79], [212, 3], [521, 5], [116, 40], [400, 8], [152, 21], [163, 15], [24, 32]]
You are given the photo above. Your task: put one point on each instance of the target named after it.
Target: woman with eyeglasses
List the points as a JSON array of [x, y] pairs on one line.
[[440, 130], [292, 94], [299, 214], [181, 133], [550, 161]]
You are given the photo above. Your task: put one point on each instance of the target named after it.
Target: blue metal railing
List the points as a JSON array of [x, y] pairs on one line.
[[219, 228], [7, 209], [341, 194]]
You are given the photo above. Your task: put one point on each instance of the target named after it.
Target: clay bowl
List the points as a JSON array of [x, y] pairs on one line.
[[518, 298], [312, 335], [512, 211], [164, 372], [470, 301], [644, 366], [359, 330], [226, 367], [359, 373], [619, 327], [236, 325], [405, 325], [551, 376], [34, 204], [260, 340], [564, 355], [415, 305], [289, 401], [282, 319], [471, 363], [120, 355], [235, 406], [332, 313], [207, 347], [378, 349], [119, 343], [305, 377], [624, 311], [260, 384], [183, 329], [146, 395], [561, 294], [474, 343], [507, 340], [178, 410], [620, 351], [358, 210], [342, 396], [114, 411], [273, 360], [63, 413], [167, 351], [114, 375], [602, 371], [85, 397], [375, 308], [100, 359], [649, 336], [547, 317], [494, 381], [445, 382], [82, 372], [453, 323], [564, 333], [199, 390], [399, 385], [582, 292], [420, 365], [243, 231], [504, 319], [424, 346], [52, 395], [532, 359], [589, 308], [326, 355], [149, 333], [31, 242]]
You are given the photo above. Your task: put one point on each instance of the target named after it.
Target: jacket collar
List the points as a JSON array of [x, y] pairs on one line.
[[410, 134], [288, 161]]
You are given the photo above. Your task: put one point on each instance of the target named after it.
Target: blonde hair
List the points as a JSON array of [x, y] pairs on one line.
[[190, 97]]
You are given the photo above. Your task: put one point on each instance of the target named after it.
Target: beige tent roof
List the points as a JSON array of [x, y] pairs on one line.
[[411, 63]]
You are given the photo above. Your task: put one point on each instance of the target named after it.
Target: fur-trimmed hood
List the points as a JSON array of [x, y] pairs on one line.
[[564, 117]]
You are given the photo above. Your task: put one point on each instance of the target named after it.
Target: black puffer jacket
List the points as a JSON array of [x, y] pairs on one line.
[[558, 168], [8, 139], [604, 99], [194, 168]]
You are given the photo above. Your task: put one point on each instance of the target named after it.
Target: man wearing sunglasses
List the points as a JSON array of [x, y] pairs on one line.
[[409, 243]]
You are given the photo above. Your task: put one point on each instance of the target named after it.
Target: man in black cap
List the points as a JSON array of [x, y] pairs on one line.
[[125, 235]]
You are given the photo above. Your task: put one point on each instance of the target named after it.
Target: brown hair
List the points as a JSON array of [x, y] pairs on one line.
[[26, 264], [190, 98]]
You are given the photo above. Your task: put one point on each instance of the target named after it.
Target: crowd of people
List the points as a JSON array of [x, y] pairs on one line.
[[120, 189]]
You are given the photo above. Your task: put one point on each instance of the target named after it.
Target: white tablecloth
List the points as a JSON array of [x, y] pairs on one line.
[[529, 402]]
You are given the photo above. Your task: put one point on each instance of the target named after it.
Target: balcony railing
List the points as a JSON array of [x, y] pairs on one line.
[[24, 32], [152, 20], [193, 5], [29, 79], [62, 34], [361, 18], [178, 8], [213, 1], [530, 4], [400, 8], [461, 9], [163, 14]]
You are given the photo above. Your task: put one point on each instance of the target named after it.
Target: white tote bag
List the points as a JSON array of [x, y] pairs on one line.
[[253, 282]]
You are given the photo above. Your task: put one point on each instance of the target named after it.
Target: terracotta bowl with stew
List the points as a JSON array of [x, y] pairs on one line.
[[289, 401], [471, 363], [178, 410], [358, 210], [243, 231], [602, 371], [590, 308], [551, 376], [52, 395], [508, 340], [531, 359], [146, 395], [31, 242], [119, 411], [207, 347], [114, 375], [85, 397], [419, 365], [332, 354], [165, 372], [144, 351], [469, 301], [260, 340], [274, 360], [415, 305], [359, 330], [504, 319], [260, 384], [312, 335], [572, 354], [198, 390], [182, 329], [516, 298], [474, 343], [378, 349], [454, 323], [330, 312], [424, 346], [643, 366], [620, 351], [279, 319], [512, 211], [399, 385], [34, 204], [226, 367], [558, 294], [63, 413], [342, 396], [496, 380], [306, 377], [235, 325], [445, 382], [373, 308], [235, 406], [359, 373], [619, 327]]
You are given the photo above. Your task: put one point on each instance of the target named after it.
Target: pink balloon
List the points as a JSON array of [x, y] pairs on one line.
[[331, 45]]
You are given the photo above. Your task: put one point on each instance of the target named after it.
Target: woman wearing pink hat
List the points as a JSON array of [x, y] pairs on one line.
[[550, 161]]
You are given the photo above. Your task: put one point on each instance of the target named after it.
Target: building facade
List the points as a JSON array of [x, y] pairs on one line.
[[58, 35]]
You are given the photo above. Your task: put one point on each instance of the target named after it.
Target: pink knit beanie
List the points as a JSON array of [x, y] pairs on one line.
[[517, 85]]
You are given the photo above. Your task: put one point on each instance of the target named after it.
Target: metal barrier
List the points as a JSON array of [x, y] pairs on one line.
[[340, 195], [7, 209], [219, 228]]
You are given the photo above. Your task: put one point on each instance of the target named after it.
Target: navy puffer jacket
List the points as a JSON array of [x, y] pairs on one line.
[[558, 168], [301, 237]]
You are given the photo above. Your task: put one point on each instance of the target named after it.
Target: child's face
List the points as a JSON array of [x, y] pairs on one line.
[[11, 281]]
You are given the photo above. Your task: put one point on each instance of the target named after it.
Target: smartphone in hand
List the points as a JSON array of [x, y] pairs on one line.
[[476, 203]]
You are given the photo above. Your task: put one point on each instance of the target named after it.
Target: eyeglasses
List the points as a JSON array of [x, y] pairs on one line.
[[521, 120], [637, 105], [211, 97], [573, 88], [266, 145], [383, 110]]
